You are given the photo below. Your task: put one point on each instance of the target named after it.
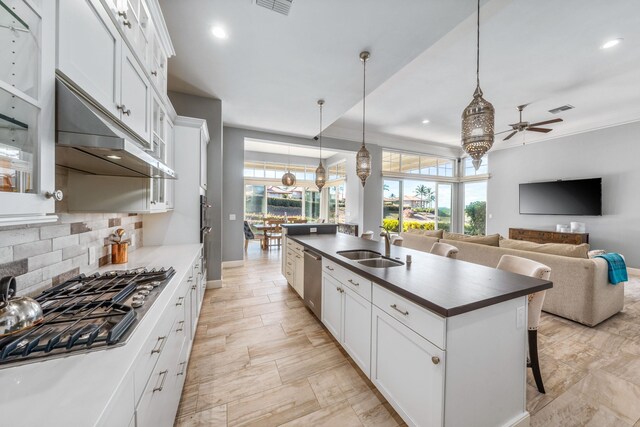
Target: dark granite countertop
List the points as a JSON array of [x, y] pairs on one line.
[[445, 286]]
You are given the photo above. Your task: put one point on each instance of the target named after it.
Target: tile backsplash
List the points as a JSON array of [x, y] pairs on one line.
[[44, 255], [41, 256]]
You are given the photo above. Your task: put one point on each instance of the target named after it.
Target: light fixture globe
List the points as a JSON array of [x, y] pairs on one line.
[[363, 164], [288, 179], [321, 176], [478, 121]]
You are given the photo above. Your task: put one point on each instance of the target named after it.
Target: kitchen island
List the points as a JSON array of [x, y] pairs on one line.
[[443, 340]]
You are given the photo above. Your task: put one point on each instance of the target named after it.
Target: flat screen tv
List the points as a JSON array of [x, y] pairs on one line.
[[575, 197]]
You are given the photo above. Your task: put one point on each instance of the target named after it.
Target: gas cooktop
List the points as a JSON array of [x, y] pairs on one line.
[[86, 313]]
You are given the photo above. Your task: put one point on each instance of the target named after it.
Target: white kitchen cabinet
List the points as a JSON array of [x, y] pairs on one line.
[[204, 141], [27, 93], [332, 306], [92, 55], [89, 51], [356, 329], [135, 98], [348, 317], [293, 265], [408, 370]]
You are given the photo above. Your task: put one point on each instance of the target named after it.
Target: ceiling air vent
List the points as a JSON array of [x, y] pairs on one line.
[[280, 6], [561, 108]]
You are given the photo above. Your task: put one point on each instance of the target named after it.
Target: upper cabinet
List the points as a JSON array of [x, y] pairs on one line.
[[27, 172]]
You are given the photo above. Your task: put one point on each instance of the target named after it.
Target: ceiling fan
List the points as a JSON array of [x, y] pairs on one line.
[[522, 126]]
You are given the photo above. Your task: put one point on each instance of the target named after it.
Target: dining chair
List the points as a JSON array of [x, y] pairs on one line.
[[276, 233], [397, 240], [445, 250], [530, 268], [248, 235]]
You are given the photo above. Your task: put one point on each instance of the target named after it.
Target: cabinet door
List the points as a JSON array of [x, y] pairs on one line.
[[356, 330], [89, 48], [136, 96], [298, 275], [332, 305], [403, 368], [203, 161]]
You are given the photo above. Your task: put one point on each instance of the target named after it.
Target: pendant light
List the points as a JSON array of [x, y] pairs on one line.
[[478, 118], [288, 179], [321, 173], [363, 158]]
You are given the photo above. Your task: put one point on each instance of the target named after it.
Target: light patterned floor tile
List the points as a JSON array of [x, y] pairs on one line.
[[213, 417], [341, 415]]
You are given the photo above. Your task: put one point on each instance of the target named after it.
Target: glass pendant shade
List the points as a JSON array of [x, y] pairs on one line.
[[478, 120], [321, 176], [363, 164], [288, 179]]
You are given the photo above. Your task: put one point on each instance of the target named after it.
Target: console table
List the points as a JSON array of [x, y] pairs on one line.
[[544, 236]]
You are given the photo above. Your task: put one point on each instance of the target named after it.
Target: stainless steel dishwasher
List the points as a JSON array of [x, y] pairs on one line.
[[313, 282]]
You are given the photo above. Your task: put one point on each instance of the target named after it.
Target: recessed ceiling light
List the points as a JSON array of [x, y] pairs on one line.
[[425, 121], [219, 32], [611, 43], [114, 157]]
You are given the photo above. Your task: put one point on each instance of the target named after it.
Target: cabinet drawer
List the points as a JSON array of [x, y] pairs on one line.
[[357, 283], [422, 321], [288, 274], [150, 353]]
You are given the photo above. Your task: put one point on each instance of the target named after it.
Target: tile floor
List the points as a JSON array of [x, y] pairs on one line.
[[260, 358]]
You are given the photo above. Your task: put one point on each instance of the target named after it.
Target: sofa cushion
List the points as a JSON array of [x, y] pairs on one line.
[[490, 240], [434, 233], [417, 241], [562, 249]]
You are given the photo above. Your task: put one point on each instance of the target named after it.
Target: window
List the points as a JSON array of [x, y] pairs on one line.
[[311, 204], [337, 171], [469, 170], [413, 164], [421, 205], [475, 207], [391, 205], [337, 203], [274, 171], [253, 203]]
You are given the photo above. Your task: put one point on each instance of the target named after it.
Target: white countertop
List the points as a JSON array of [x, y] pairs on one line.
[[75, 390]]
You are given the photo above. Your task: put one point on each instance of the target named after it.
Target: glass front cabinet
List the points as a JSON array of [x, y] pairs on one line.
[[27, 90]]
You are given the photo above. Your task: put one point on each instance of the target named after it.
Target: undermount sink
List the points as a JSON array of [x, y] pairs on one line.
[[381, 263], [360, 254]]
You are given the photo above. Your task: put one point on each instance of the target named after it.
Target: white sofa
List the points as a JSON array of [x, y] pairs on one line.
[[581, 289]]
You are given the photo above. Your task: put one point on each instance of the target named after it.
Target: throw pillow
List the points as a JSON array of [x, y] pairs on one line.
[[434, 233], [490, 240], [562, 249]]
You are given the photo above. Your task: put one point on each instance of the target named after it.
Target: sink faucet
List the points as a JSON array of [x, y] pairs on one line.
[[387, 242]]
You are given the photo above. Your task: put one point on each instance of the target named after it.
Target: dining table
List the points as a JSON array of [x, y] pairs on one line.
[[265, 229]]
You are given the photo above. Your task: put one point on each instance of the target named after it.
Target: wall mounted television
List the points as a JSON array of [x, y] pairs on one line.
[[573, 197]]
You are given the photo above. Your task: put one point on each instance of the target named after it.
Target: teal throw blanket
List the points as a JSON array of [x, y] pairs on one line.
[[617, 267]]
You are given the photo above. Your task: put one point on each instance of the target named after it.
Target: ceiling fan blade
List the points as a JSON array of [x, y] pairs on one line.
[[510, 135], [546, 122], [543, 130]]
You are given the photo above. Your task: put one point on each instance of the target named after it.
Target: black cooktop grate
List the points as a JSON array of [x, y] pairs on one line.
[[84, 313]]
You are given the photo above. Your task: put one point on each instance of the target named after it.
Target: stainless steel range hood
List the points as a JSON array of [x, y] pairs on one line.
[[89, 140]]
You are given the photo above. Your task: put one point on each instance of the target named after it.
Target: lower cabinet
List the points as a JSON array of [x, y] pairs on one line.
[[293, 265], [347, 316], [408, 370]]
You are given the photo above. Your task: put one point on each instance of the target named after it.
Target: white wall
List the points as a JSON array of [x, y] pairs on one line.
[[611, 153]]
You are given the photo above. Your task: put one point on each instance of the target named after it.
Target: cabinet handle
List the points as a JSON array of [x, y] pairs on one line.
[[298, 256], [125, 21], [154, 73], [181, 328], [160, 343], [56, 195], [329, 268], [353, 283], [184, 365], [122, 13], [124, 109], [164, 377], [179, 302], [193, 288], [340, 290], [435, 360], [288, 263], [395, 307]]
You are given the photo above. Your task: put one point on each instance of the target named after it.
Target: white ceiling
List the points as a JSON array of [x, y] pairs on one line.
[[271, 69], [284, 149]]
